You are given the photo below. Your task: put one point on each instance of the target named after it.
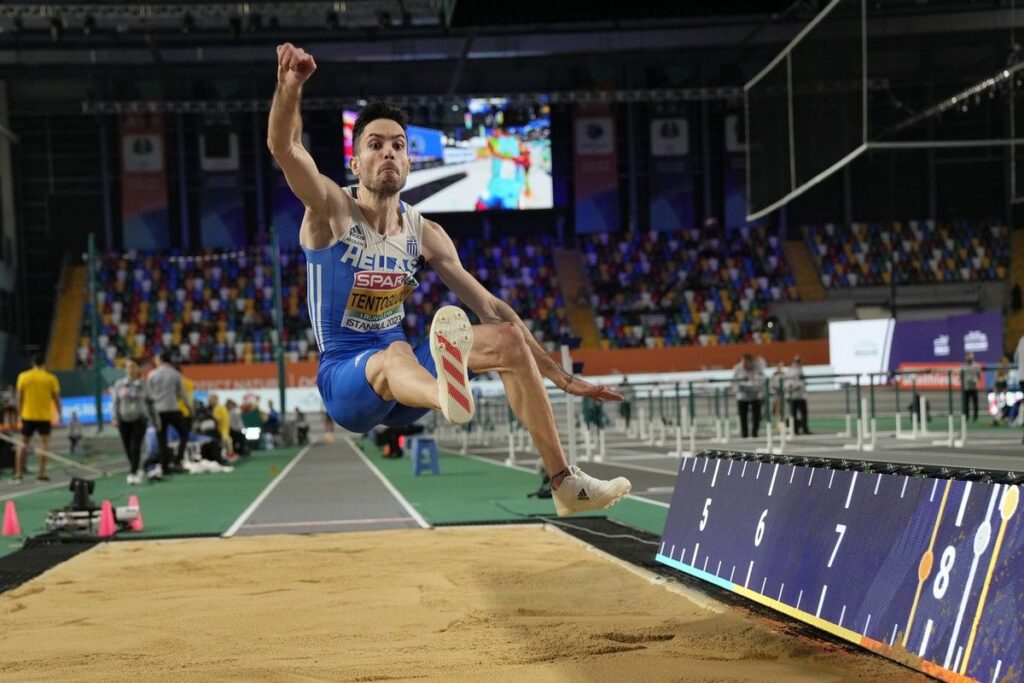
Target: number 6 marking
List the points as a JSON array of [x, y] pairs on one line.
[[704, 517], [759, 534], [841, 530]]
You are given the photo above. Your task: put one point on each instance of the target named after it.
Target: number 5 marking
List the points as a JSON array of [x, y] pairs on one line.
[[704, 516], [841, 530]]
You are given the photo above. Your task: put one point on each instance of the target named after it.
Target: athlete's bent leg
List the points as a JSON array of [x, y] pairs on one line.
[[396, 375], [502, 348]]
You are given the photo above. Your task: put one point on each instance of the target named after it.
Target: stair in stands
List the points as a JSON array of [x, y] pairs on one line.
[[573, 281], [808, 280], [68, 321]]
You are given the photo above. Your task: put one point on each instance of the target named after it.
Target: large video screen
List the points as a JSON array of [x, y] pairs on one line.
[[481, 155]]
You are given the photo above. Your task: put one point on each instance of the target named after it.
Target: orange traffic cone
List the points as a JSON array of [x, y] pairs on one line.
[[136, 524], [11, 527], [107, 525]]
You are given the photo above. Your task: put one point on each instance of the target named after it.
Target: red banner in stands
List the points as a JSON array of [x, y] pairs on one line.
[[934, 376]]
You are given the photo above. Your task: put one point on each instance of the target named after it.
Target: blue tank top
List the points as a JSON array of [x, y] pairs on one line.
[[356, 286]]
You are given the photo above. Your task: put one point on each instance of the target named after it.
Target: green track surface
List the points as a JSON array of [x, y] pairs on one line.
[[180, 505], [470, 490]]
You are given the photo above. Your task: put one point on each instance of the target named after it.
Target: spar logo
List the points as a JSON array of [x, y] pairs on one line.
[[367, 279], [940, 345]]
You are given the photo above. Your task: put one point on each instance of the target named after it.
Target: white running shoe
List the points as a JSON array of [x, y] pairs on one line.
[[130, 479], [451, 338], [579, 492], [156, 472]]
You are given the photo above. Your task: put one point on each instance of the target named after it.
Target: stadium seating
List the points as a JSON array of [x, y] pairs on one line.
[[209, 307], [919, 252], [518, 270], [687, 287]]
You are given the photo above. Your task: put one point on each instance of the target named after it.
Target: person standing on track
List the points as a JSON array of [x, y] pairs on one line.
[[165, 387], [363, 247], [131, 409], [38, 393]]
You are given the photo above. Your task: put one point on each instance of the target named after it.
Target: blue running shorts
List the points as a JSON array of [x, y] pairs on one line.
[[351, 401]]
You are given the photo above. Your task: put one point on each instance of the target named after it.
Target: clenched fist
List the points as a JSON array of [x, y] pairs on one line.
[[294, 65]]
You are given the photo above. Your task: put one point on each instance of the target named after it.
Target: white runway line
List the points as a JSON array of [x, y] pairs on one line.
[[233, 529], [387, 484]]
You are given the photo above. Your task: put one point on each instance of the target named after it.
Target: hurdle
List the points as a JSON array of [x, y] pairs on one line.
[[68, 462]]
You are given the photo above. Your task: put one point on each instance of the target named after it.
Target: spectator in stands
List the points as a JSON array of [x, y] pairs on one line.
[[165, 387], [235, 427], [626, 407], [970, 375], [130, 412], [74, 431], [748, 383], [301, 427], [796, 390], [38, 393]]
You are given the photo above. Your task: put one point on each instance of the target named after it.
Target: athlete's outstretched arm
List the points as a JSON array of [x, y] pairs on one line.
[[439, 250], [284, 132]]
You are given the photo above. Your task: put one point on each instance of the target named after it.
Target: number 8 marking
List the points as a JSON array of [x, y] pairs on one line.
[[945, 567]]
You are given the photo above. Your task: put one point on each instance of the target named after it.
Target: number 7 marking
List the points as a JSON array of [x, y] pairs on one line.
[[841, 530]]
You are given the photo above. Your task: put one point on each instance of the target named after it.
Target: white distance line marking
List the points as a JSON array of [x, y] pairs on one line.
[[878, 482], [821, 600], [771, 487], [849, 496], [750, 569], [963, 504], [924, 641], [714, 477]]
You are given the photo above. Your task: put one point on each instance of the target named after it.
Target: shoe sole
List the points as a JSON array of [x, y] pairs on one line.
[[451, 338], [603, 503]]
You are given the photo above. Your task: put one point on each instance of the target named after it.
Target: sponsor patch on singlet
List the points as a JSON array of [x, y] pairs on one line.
[[375, 302]]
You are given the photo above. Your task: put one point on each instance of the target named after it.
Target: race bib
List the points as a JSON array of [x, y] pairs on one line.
[[375, 302]]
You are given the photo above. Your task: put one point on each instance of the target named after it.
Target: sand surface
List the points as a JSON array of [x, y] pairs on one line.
[[474, 604]]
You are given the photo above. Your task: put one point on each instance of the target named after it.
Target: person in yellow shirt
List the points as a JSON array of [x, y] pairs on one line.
[[220, 416], [38, 395], [183, 404]]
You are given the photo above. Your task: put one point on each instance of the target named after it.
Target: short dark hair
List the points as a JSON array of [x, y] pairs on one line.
[[165, 356], [374, 111], [38, 360]]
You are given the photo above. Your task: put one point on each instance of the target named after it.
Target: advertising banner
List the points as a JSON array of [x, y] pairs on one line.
[[671, 201], [925, 571], [595, 165], [948, 340], [144, 182], [860, 346]]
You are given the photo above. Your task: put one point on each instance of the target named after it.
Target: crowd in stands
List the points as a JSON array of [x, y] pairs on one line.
[[519, 271], [208, 307], [651, 289], [707, 286], [919, 252]]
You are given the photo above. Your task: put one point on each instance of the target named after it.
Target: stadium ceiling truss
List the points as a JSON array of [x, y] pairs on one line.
[[729, 94]]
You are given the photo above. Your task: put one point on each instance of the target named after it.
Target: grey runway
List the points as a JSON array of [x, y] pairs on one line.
[[332, 488]]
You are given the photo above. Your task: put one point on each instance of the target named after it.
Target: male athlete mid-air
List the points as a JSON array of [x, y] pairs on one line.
[[363, 247]]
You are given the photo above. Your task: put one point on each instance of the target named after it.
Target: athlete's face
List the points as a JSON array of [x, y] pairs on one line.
[[381, 161]]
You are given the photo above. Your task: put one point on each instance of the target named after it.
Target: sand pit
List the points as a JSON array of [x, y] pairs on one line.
[[489, 604]]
